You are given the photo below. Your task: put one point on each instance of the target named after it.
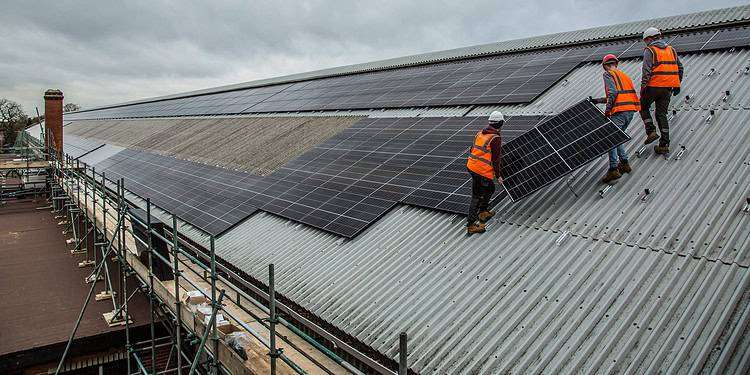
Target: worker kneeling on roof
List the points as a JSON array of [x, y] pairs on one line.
[[622, 103], [661, 79], [484, 167]]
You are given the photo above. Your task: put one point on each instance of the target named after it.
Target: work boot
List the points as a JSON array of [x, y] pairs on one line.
[[624, 167], [612, 174], [485, 216], [475, 228], [650, 138], [661, 150]]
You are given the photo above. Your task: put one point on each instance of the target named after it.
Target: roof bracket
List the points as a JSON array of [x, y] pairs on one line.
[[640, 151], [746, 208], [726, 96], [605, 190], [711, 72], [672, 115], [562, 237], [710, 117], [681, 153], [645, 195]]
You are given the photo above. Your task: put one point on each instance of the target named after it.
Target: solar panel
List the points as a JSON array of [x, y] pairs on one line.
[[726, 38], [690, 42], [557, 147], [211, 198]]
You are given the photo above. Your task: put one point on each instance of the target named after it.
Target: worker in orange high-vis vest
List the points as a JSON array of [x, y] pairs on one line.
[[661, 79], [484, 167], [621, 105]]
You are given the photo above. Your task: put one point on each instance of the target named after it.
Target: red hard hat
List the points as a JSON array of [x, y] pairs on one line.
[[609, 58]]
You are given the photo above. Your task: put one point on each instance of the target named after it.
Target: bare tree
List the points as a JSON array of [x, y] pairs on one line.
[[12, 119], [71, 107]]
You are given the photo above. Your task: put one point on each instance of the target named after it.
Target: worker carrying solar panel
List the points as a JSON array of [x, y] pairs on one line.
[[484, 166], [661, 79], [621, 105]]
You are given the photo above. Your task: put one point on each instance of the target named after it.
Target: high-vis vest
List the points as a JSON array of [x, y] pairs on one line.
[[664, 72], [626, 99], [480, 157]]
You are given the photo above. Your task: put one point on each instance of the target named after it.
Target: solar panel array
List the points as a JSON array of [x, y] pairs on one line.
[[210, 198], [504, 79], [349, 181]]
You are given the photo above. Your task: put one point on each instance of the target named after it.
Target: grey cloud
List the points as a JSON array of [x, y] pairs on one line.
[[100, 52]]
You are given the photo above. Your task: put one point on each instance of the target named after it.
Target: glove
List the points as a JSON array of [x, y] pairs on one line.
[[607, 113], [675, 91]]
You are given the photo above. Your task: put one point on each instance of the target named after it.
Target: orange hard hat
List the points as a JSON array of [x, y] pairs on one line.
[[610, 58]]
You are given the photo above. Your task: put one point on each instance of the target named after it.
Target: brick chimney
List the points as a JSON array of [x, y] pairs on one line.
[[53, 110]]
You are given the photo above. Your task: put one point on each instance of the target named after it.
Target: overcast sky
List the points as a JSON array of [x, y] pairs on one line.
[[101, 52]]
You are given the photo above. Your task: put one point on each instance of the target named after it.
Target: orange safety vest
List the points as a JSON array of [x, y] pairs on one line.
[[665, 72], [626, 99], [480, 157]]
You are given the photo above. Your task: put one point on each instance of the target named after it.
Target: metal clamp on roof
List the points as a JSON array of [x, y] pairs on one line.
[[640, 151], [746, 209], [672, 115], [645, 195], [562, 237], [680, 153], [726, 96], [604, 191], [710, 117], [711, 72]]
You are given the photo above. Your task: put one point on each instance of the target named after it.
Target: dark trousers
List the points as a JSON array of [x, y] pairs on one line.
[[660, 96], [482, 189]]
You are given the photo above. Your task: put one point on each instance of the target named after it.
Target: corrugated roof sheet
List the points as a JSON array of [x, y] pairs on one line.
[[254, 144], [630, 29], [660, 285], [510, 300]]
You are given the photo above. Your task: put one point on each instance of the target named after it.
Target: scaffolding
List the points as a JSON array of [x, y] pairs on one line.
[[119, 242], [208, 318]]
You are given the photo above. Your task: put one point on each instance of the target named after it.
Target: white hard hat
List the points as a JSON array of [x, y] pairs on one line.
[[651, 32], [496, 116]]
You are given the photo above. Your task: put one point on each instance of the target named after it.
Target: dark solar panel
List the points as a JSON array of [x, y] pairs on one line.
[[557, 147], [726, 38], [210, 198]]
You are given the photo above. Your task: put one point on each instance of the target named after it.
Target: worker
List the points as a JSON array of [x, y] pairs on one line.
[[484, 167], [662, 75], [621, 105]]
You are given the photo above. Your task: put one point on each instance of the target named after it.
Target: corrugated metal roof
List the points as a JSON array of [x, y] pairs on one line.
[[511, 300], [630, 29], [654, 286], [626, 298]]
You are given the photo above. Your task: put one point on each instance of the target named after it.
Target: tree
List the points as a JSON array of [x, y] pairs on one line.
[[12, 119], [71, 107]]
